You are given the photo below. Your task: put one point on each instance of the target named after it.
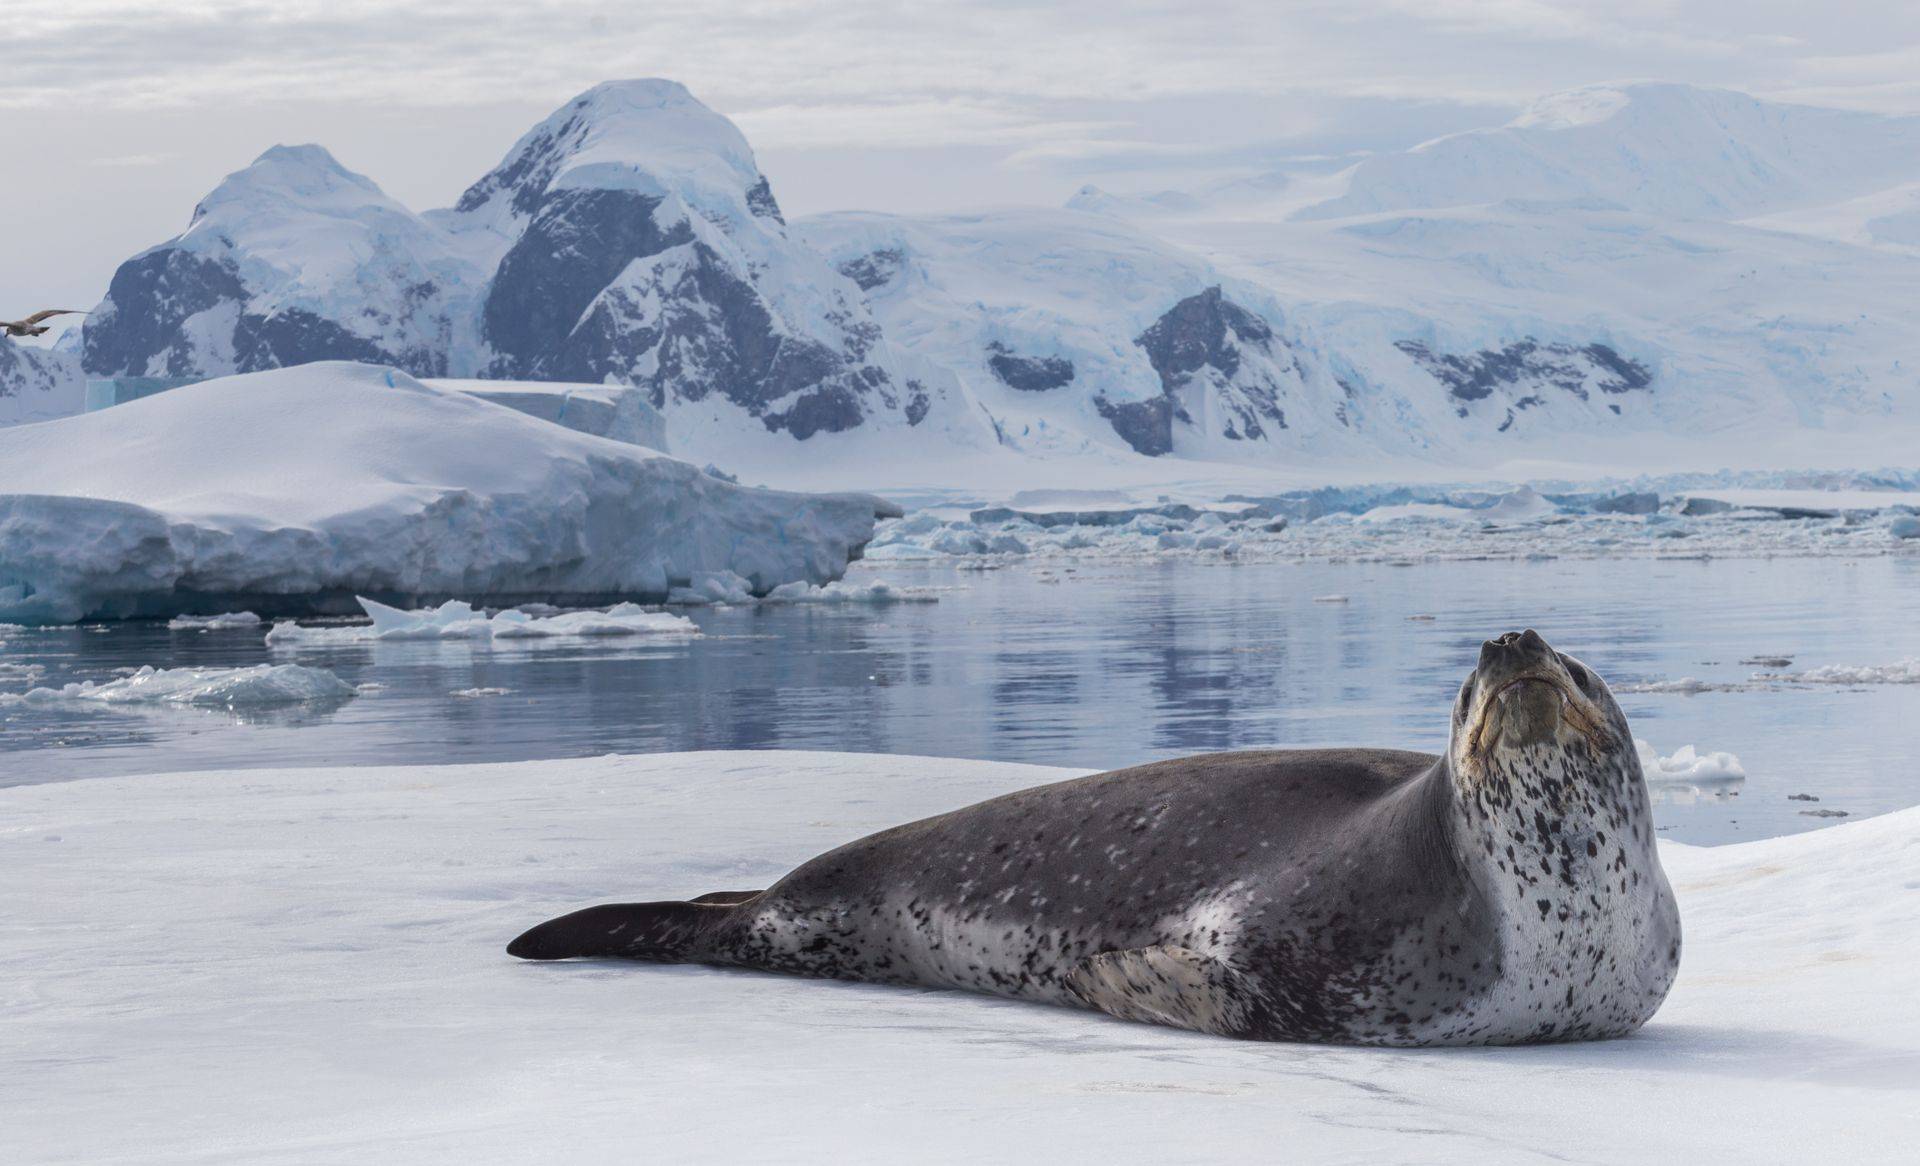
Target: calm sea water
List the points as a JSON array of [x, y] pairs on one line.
[[1107, 666]]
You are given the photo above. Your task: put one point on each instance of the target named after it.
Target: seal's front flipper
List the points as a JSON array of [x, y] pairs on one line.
[[661, 932], [1165, 985]]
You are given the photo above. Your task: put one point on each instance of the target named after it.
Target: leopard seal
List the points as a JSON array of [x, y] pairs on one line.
[[1505, 892]]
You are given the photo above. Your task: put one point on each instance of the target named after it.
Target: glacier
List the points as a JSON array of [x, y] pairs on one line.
[[292, 491]]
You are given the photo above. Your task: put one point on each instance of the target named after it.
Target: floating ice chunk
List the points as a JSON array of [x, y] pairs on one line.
[[878, 591], [1686, 766], [1331, 599], [260, 685], [471, 693], [713, 587], [1905, 672], [1905, 526], [208, 623], [1522, 505], [455, 620], [1686, 685]]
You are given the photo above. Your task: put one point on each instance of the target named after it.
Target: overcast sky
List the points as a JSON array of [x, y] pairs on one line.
[[123, 112]]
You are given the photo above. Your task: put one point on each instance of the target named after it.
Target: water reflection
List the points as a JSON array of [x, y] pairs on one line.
[[1112, 666]]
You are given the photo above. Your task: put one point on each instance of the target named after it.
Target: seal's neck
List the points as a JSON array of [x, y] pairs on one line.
[[1557, 829]]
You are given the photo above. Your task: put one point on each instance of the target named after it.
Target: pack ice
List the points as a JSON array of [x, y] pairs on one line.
[[293, 490]]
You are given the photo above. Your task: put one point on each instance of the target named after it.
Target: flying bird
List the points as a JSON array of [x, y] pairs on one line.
[[31, 326]]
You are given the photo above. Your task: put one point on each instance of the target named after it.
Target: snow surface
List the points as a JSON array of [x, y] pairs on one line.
[[258, 686], [456, 620], [299, 487], [307, 965]]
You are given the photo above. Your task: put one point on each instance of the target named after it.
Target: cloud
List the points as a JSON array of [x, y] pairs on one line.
[[130, 161]]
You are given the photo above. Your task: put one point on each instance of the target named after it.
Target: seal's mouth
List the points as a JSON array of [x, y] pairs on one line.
[[1527, 710]]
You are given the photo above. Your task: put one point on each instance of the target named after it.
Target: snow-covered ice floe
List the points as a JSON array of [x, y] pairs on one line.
[[871, 591], [1904, 672], [455, 620], [307, 965], [259, 686], [727, 588], [1688, 767], [290, 491], [1848, 675], [211, 623]]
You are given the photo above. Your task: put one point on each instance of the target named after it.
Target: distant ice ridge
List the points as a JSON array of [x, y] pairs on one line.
[[1687, 766], [455, 620], [290, 491], [1406, 523], [259, 686]]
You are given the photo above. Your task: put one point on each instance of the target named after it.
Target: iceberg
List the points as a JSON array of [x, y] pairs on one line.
[[292, 491]]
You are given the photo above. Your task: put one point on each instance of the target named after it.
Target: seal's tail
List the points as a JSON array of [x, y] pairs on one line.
[[665, 933]]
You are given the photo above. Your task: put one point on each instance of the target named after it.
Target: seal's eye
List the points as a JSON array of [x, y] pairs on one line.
[[1581, 676]]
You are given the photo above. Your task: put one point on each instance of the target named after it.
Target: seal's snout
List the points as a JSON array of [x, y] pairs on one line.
[[1515, 651]]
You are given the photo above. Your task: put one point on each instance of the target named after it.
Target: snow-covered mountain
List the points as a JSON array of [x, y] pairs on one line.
[[1674, 150], [1075, 332], [628, 237], [37, 384], [1644, 275], [293, 259]]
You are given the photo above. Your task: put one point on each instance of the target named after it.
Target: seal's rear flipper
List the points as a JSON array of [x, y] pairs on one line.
[[662, 932], [1165, 985]]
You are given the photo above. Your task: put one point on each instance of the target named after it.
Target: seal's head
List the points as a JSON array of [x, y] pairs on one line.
[[1528, 710]]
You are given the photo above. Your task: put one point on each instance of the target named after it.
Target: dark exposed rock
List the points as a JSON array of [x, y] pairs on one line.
[[1147, 426], [1199, 340], [761, 202], [1525, 363], [918, 402], [1029, 374], [1193, 335], [153, 295], [576, 243], [875, 268], [296, 336]]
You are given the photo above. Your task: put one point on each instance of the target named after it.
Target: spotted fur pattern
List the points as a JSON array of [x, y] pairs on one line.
[[1495, 895]]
